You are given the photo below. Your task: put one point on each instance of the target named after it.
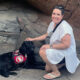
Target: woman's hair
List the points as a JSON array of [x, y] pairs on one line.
[[60, 7]]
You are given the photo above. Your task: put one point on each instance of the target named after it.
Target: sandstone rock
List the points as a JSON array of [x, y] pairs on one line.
[[43, 5], [32, 16], [75, 18], [4, 48], [72, 7], [3, 39], [62, 2], [9, 26], [35, 23], [4, 7]]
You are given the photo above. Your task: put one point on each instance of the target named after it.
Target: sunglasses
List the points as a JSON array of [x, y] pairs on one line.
[[59, 7]]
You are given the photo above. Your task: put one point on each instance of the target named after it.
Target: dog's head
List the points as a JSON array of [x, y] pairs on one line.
[[26, 47]]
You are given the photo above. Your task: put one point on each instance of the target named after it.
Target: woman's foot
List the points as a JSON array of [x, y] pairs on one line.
[[52, 75]]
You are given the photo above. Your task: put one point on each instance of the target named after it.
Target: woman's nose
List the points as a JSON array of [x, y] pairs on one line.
[[55, 16]]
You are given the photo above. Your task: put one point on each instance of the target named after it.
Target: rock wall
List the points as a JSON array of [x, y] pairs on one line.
[[12, 34], [72, 6], [36, 23]]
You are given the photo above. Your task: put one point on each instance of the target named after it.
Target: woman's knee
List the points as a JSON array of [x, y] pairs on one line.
[[42, 52], [41, 49]]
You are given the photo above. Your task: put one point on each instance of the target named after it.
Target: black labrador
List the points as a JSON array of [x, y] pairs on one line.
[[7, 64]]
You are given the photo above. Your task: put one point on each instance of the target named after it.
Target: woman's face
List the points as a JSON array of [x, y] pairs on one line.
[[56, 16]]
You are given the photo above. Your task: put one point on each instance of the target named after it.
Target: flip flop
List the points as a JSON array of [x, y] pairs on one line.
[[50, 76]]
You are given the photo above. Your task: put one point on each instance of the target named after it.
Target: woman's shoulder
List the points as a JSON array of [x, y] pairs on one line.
[[51, 24], [66, 26], [65, 22]]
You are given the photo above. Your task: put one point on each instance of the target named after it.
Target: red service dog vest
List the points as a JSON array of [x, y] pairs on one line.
[[19, 58]]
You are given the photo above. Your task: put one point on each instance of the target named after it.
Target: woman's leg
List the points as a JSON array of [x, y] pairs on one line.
[[48, 68], [43, 56], [60, 65], [52, 67]]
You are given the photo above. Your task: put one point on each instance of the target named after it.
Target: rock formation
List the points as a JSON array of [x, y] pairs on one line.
[[12, 34], [72, 6], [36, 23]]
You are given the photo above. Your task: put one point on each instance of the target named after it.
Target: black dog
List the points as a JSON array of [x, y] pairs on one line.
[[7, 63], [28, 48]]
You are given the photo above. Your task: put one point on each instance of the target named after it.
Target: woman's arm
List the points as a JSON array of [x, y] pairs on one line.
[[42, 37], [65, 43]]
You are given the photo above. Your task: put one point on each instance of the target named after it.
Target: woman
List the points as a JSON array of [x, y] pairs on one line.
[[62, 45]]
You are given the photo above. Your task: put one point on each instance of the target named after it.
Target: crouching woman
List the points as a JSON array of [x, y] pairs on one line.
[[61, 47]]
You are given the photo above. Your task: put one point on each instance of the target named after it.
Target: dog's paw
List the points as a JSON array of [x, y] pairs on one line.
[[13, 73], [5, 74]]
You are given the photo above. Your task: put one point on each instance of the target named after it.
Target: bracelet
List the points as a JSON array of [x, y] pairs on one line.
[[51, 46]]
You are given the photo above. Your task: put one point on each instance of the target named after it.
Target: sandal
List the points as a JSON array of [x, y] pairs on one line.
[[50, 76]]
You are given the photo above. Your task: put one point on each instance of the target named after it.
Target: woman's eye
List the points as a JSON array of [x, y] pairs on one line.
[[58, 14], [53, 13]]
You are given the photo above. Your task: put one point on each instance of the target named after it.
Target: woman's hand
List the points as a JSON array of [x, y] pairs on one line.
[[46, 46], [29, 39]]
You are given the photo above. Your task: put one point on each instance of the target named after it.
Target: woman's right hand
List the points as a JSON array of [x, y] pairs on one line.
[[29, 39]]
